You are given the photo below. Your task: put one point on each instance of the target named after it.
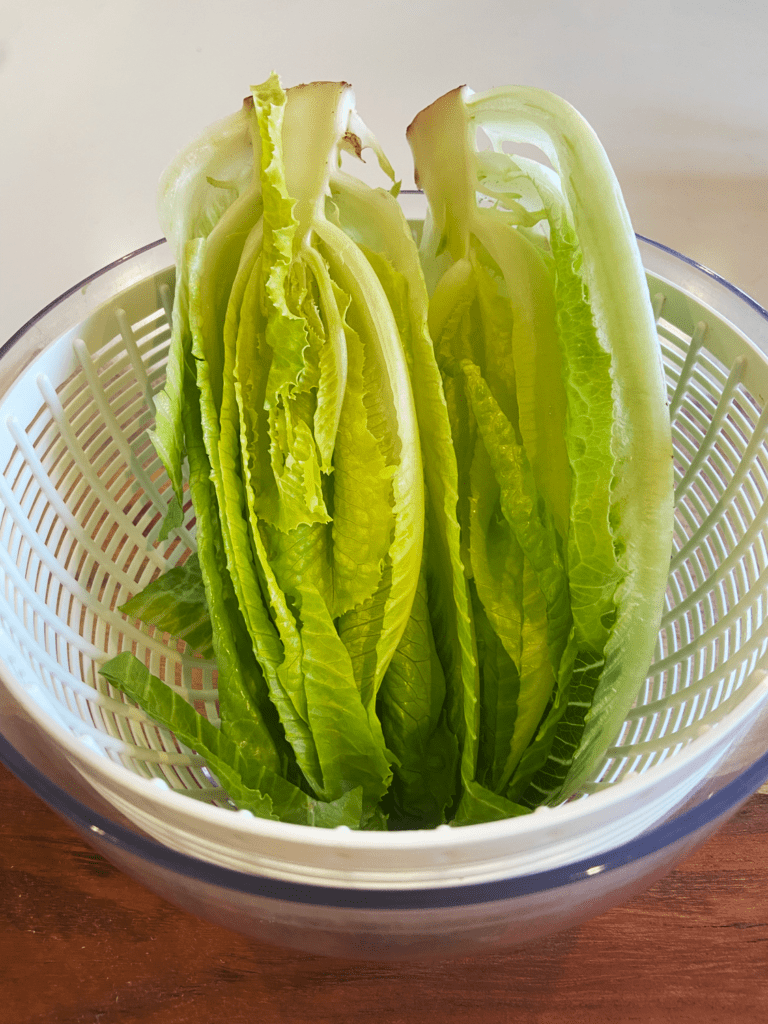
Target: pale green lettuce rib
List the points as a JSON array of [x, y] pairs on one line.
[[195, 190], [453, 329], [363, 513], [205, 179], [534, 349], [167, 435], [237, 234], [332, 360], [286, 332]]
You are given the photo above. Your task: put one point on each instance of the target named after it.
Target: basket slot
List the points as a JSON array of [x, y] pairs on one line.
[[743, 552], [743, 469], [691, 647], [70, 709], [155, 351], [103, 543], [114, 727], [136, 361], [704, 449], [736, 692], [32, 608], [91, 481], [691, 358], [741, 662], [105, 410]]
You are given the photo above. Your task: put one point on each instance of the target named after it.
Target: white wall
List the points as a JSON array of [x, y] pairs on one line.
[[96, 97]]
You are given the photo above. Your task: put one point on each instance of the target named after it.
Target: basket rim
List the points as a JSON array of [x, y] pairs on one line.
[[443, 837], [17, 335], [6, 347], [738, 292]]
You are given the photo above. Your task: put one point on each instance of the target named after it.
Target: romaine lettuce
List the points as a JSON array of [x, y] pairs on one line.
[[568, 401], [433, 523]]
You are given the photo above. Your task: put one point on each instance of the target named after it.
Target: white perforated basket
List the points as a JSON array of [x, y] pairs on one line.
[[82, 495]]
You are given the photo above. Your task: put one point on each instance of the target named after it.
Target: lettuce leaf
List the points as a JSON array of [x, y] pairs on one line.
[[411, 706], [175, 603], [195, 190], [252, 785]]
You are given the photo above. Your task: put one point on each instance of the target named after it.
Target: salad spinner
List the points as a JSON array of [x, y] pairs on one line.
[[81, 505]]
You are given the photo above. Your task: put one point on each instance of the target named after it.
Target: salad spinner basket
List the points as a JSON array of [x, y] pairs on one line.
[[82, 496]]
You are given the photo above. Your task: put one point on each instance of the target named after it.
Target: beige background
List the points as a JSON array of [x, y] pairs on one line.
[[96, 97]]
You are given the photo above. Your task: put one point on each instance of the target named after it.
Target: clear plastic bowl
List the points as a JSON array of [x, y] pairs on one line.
[[692, 750]]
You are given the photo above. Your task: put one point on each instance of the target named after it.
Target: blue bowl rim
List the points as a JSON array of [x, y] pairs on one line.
[[103, 831]]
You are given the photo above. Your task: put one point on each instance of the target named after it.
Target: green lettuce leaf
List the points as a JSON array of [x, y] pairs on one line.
[[252, 785], [411, 706], [243, 694], [175, 603], [376, 221], [641, 496]]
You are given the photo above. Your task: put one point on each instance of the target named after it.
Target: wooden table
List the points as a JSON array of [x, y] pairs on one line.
[[80, 943]]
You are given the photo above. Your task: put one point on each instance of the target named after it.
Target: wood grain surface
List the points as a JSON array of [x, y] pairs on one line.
[[81, 943]]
